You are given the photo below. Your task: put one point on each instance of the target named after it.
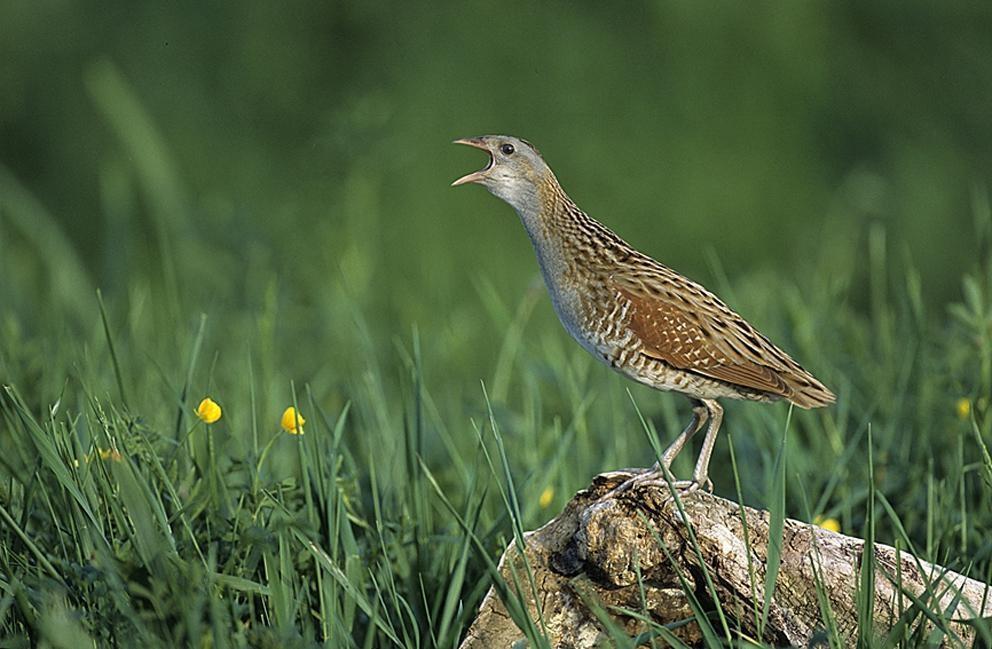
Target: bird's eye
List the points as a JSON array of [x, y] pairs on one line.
[[507, 149]]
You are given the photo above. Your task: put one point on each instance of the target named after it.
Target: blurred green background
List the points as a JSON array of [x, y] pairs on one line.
[[762, 131], [283, 170]]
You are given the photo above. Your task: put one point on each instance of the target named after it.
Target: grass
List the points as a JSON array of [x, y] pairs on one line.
[[127, 520]]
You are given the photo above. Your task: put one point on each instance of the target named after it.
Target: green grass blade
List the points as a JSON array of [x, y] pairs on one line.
[[866, 582], [776, 524], [110, 346]]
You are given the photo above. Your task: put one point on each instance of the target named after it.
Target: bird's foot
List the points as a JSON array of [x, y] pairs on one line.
[[706, 484], [655, 477]]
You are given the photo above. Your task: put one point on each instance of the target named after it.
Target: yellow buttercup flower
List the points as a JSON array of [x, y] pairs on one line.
[[546, 497], [963, 408], [829, 524], [208, 411], [110, 454], [290, 419]]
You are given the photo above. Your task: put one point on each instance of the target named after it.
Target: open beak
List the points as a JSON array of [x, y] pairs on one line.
[[475, 176]]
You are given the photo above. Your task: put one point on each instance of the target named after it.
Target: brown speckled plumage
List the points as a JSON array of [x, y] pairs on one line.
[[638, 316]]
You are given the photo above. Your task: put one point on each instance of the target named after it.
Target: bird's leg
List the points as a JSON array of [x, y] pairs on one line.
[[660, 475], [700, 475], [699, 416], [657, 473]]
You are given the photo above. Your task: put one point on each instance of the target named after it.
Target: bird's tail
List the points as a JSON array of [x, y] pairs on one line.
[[808, 392]]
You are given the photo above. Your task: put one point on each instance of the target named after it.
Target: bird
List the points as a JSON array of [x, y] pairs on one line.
[[636, 315]]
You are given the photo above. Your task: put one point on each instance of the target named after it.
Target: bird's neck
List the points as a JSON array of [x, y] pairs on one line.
[[563, 233], [569, 243], [544, 210]]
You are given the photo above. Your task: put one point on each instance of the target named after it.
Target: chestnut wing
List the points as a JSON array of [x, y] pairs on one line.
[[689, 328]]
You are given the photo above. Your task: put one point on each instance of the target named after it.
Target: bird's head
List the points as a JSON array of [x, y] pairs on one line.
[[516, 171]]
